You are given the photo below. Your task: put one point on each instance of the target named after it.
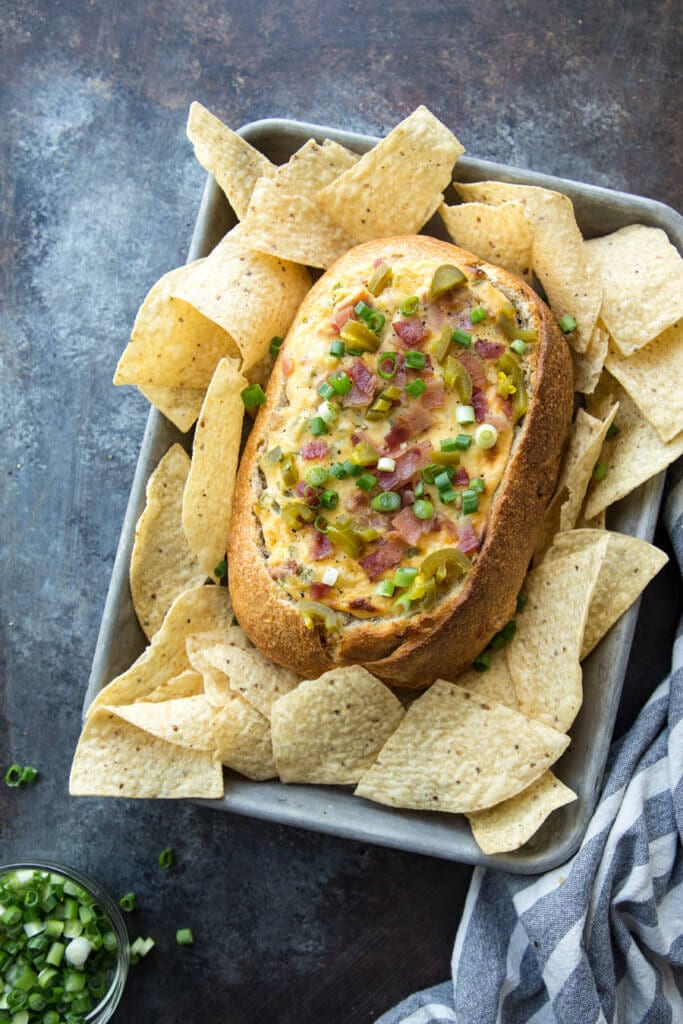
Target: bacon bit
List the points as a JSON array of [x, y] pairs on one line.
[[489, 349], [468, 542], [318, 590], [416, 418], [364, 383], [362, 604], [314, 450], [474, 367], [411, 332], [395, 436], [356, 501], [407, 496], [342, 315], [434, 396], [461, 478], [506, 406], [320, 545], [300, 488], [445, 524], [386, 555], [479, 404], [286, 363], [409, 527], [279, 572], [408, 463], [378, 262]]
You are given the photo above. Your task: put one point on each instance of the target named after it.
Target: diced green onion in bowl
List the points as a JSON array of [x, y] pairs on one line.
[[63, 946]]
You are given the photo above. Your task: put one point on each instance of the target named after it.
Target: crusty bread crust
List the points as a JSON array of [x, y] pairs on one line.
[[439, 643]]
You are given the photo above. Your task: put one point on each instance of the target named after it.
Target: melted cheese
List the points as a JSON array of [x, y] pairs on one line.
[[308, 365]]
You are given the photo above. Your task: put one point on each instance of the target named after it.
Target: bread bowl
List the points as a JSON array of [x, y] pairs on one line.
[[377, 518]]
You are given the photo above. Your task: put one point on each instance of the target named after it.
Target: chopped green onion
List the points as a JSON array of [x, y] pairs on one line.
[[221, 570], [482, 663], [470, 501], [504, 636], [366, 481], [430, 472], [370, 316], [478, 314], [404, 576], [567, 323], [340, 381], [338, 471], [127, 902], [184, 937], [316, 476], [415, 360], [326, 390], [166, 858], [253, 396], [612, 432], [330, 576], [321, 524], [423, 509], [419, 489], [477, 484], [337, 348], [409, 306], [443, 480], [519, 346], [386, 365], [318, 426], [448, 495], [464, 414], [486, 435], [599, 471], [386, 588], [463, 441], [328, 412], [449, 444], [388, 501], [386, 464], [522, 599], [415, 388], [461, 337], [13, 775], [275, 345], [329, 498]]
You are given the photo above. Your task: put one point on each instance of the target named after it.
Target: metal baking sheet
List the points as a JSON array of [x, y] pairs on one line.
[[334, 809]]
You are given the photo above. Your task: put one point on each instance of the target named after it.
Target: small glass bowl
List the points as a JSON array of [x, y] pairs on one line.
[[106, 1006]]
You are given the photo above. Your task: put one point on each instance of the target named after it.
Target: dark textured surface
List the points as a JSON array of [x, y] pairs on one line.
[[99, 191]]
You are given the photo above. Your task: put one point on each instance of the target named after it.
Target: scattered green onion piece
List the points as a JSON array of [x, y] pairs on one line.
[[477, 484], [404, 576], [385, 588], [184, 937], [415, 388], [419, 489], [340, 382], [386, 365], [321, 524], [612, 432], [442, 480], [275, 345], [448, 495], [415, 360], [463, 441], [337, 348], [338, 471], [567, 323], [127, 902], [430, 472], [449, 444], [478, 314], [329, 498], [464, 414], [461, 337], [221, 570], [166, 858], [482, 663], [387, 501], [316, 476], [599, 471], [317, 426], [423, 509], [326, 390], [13, 776], [519, 346], [409, 306], [503, 636], [522, 599], [366, 481], [470, 502], [253, 396], [485, 436]]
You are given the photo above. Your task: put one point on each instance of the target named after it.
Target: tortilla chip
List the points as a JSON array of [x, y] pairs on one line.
[[494, 685], [396, 187], [243, 738], [256, 678], [588, 365], [162, 565], [251, 295], [234, 163], [188, 684], [636, 454], [283, 217], [561, 260], [627, 568], [642, 280], [651, 379], [499, 234], [543, 656], [186, 721], [116, 758], [455, 752], [512, 823], [329, 730], [201, 608], [585, 439], [179, 405], [173, 344], [207, 499]]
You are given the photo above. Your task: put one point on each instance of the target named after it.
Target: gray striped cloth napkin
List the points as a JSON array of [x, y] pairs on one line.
[[599, 939]]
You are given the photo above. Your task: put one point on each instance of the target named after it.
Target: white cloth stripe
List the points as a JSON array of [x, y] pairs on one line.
[[430, 1013], [562, 961]]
